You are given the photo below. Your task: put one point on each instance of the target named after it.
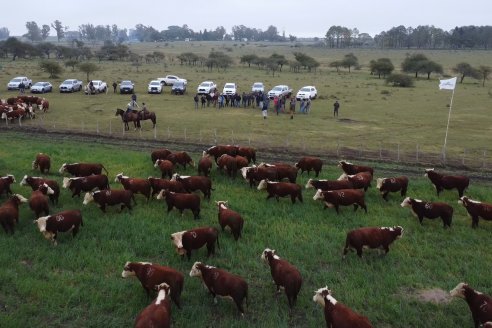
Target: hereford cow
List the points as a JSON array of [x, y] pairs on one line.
[[222, 283], [161, 184], [309, 164], [158, 313], [159, 154], [351, 169], [360, 180], [227, 163], [135, 185], [371, 238], [248, 152], [281, 189], [429, 210], [326, 185], [204, 166], [230, 218], [476, 210], [38, 202], [5, 183], [186, 241], [344, 197], [9, 212], [284, 171], [284, 275], [85, 184], [182, 201], [256, 174], [338, 315], [166, 167], [194, 183], [35, 182], [151, 275], [65, 221], [480, 304], [43, 162], [111, 198], [182, 158], [447, 182], [219, 150], [387, 185], [82, 169]]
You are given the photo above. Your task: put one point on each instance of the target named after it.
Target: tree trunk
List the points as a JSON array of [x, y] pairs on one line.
[[428, 75]]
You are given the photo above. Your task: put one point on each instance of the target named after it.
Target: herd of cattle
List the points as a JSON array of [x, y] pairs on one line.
[[278, 179], [22, 106]]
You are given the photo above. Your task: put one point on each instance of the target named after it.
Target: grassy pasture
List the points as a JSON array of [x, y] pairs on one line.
[[78, 282]]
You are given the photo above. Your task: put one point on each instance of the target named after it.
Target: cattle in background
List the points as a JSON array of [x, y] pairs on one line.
[[430, 210], [284, 171], [186, 241], [309, 164], [194, 183], [5, 183], [82, 169], [338, 315], [38, 202], [476, 210], [230, 218], [205, 166], [222, 283], [42, 161], [281, 189], [256, 174], [480, 304], [85, 184], [387, 185], [227, 163], [182, 158], [284, 275], [166, 167], [158, 313], [360, 180], [372, 238], [110, 197], [135, 185], [326, 185], [9, 212], [241, 162], [344, 197], [351, 169], [219, 150], [159, 154], [151, 275], [248, 152], [161, 184], [182, 201], [35, 182], [65, 221], [447, 182]]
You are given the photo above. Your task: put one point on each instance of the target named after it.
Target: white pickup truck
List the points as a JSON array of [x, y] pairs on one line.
[[99, 87], [170, 79], [279, 91], [14, 83], [71, 85]]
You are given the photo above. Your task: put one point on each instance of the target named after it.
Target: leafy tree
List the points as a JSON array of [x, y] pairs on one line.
[[51, 67], [400, 80], [465, 69], [271, 65], [72, 63], [431, 67], [15, 48], [59, 29], [248, 59], [295, 66], [4, 33], [350, 60], [381, 66], [33, 31], [188, 57], [292, 38], [414, 63], [158, 56], [46, 48], [279, 59], [88, 68], [306, 61], [484, 72], [336, 64], [45, 31]]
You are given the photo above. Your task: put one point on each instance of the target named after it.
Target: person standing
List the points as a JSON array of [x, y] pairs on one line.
[[336, 106], [114, 87], [302, 105], [264, 109], [22, 87], [292, 107], [195, 99]]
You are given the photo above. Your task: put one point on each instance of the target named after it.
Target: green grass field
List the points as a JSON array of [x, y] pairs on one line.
[[78, 283]]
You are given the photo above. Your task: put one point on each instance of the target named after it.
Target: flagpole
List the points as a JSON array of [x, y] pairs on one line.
[[447, 128]]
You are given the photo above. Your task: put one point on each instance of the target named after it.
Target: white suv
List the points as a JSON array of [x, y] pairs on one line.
[[307, 92], [155, 86], [258, 87], [206, 87], [230, 89]]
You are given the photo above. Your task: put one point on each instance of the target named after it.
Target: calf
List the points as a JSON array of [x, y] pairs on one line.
[[181, 157], [43, 162], [248, 152], [151, 275], [281, 189], [38, 202], [204, 166], [158, 313], [387, 185], [166, 167], [371, 238], [284, 275], [111, 198], [230, 218], [161, 184], [65, 221], [476, 210], [194, 183], [338, 315], [35, 182], [135, 185], [181, 202], [447, 182], [82, 169], [256, 174], [186, 241], [360, 180], [222, 283], [429, 210], [351, 169], [85, 184], [329, 184], [480, 304], [219, 150], [5, 183], [159, 154], [284, 171], [344, 197], [310, 164], [9, 212], [229, 164]]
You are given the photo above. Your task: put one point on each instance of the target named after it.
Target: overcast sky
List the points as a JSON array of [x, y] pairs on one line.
[[297, 17]]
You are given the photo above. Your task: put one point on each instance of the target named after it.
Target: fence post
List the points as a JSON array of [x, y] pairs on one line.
[[200, 135], [417, 154], [97, 126], [215, 136], [338, 148], [20, 121], [249, 140], [464, 155], [123, 129], [232, 137], [155, 133], [185, 133], [168, 132], [380, 151], [398, 154], [484, 156], [140, 132]]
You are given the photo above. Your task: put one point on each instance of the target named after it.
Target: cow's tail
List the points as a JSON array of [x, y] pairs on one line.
[[217, 232], [107, 173]]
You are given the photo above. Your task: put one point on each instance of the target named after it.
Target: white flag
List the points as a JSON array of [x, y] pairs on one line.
[[449, 84]]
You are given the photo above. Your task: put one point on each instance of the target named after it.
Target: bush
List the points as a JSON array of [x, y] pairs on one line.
[[400, 80]]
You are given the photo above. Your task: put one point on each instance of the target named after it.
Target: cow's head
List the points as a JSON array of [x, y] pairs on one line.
[[397, 230], [177, 239], [269, 253], [465, 201], [157, 162], [67, 182], [319, 195], [162, 194], [10, 178], [196, 269], [129, 268], [263, 184], [19, 198], [407, 202], [427, 171], [34, 164], [380, 182], [344, 176], [343, 163], [45, 189], [265, 165], [244, 171], [41, 223], [89, 197], [24, 181], [459, 290], [119, 177], [63, 168], [175, 177], [309, 184], [163, 291], [222, 204], [323, 294]]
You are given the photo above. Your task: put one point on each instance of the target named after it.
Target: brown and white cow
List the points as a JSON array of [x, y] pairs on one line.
[[151, 275], [228, 163], [338, 315], [82, 169], [38, 202], [480, 304], [361, 180], [476, 210], [219, 150], [284, 171], [158, 184], [85, 184], [204, 166], [187, 241], [159, 154], [158, 313], [222, 283], [447, 182], [309, 164], [65, 221], [430, 210], [329, 184], [343, 197], [284, 275], [110, 197], [182, 158], [182, 201], [35, 182], [9, 212], [351, 169], [230, 218], [371, 237], [135, 185], [166, 167], [256, 174], [387, 185], [195, 182], [42, 161], [248, 152], [5, 183], [281, 189]]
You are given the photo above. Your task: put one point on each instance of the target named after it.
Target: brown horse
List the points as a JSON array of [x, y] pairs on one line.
[[130, 117], [148, 116]]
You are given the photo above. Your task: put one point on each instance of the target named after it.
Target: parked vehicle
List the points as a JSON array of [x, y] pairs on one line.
[[41, 87], [307, 92], [179, 87], [14, 83], [170, 79], [279, 91], [229, 89], [155, 86], [99, 87], [258, 87], [206, 87], [71, 85], [127, 86]]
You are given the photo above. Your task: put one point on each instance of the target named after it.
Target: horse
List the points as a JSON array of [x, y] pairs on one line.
[[132, 116], [146, 115]]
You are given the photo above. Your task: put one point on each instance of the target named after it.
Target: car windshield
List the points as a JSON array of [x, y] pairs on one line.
[[39, 84], [229, 86], [155, 83], [68, 82], [205, 84], [305, 89], [126, 83], [277, 89], [258, 85], [16, 80], [178, 84]]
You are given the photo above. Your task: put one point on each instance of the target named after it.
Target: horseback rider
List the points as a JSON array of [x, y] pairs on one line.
[[130, 107], [144, 112]]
